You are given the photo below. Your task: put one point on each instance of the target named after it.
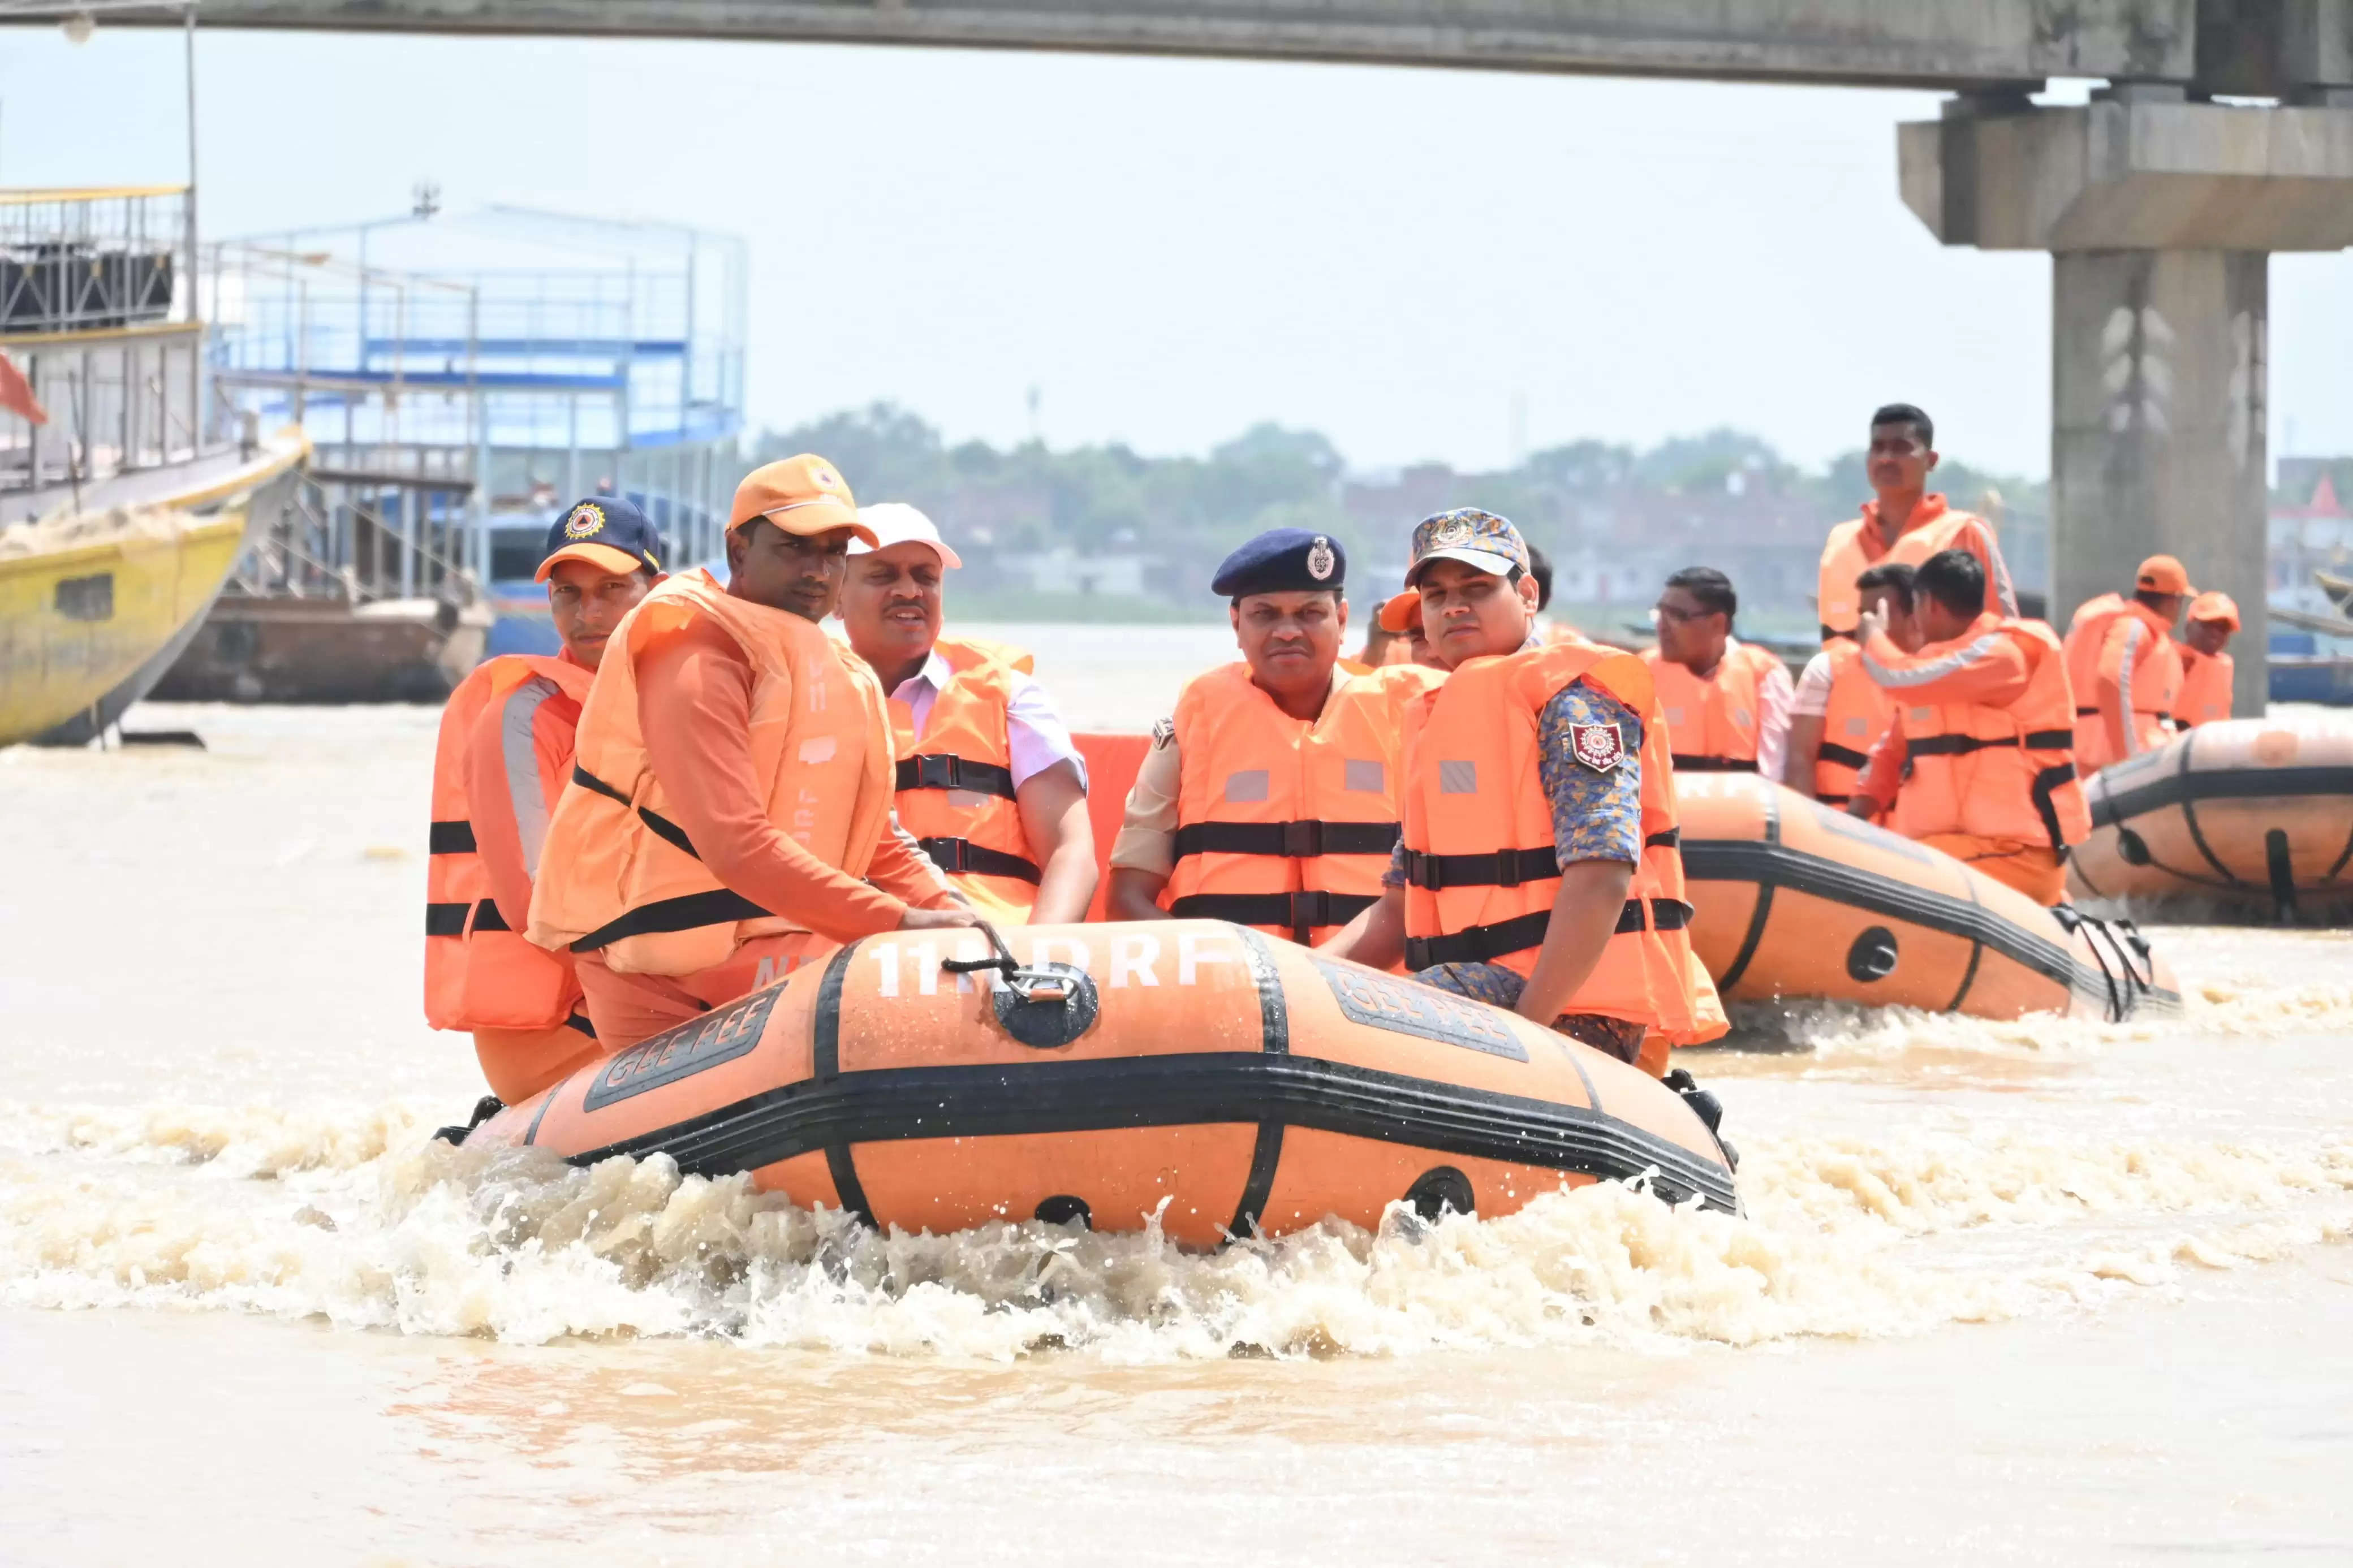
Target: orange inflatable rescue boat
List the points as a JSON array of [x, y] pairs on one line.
[[1188, 1069], [2253, 815], [1795, 898]]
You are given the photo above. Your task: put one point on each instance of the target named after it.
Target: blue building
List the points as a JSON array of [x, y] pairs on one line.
[[464, 379]]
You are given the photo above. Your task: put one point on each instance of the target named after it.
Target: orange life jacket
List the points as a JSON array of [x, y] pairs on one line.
[[2205, 694], [1283, 824], [2156, 677], [619, 876], [1859, 713], [480, 973], [1846, 555], [1713, 723], [1997, 773], [1482, 870], [955, 792]]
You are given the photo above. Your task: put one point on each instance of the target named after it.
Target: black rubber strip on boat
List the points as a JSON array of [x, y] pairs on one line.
[[1274, 1040], [826, 1049], [1773, 865], [2113, 808], [890, 1104], [1763, 912]]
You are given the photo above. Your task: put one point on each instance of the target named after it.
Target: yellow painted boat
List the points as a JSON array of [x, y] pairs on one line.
[[96, 601]]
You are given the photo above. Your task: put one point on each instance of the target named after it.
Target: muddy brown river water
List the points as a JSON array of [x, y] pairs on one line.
[[2041, 1293]]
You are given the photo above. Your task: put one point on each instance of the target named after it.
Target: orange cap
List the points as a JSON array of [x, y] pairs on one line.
[[2163, 574], [2215, 607], [803, 495], [1401, 613]]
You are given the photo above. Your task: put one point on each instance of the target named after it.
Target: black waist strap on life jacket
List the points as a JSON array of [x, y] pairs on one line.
[[955, 855], [450, 839], [2045, 786], [1502, 867], [1844, 756], [1962, 745], [1291, 840], [2159, 715], [718, 906], [1483, 944], [940, 769], [1499, 868], [450, 920], [1684, 764], [1298, 913]]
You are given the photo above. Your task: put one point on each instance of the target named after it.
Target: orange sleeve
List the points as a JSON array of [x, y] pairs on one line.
[[1977, 538], [517, 758], [1985, 667], [900, 866], [694, 708]]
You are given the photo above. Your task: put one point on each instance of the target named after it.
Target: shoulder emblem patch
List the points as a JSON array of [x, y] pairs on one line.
[[1163, 732], [1599, 747]]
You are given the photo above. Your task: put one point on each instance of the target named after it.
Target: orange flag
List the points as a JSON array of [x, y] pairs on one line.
[[16, 393]]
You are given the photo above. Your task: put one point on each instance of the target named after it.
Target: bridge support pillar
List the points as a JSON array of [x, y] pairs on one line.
[[2160, 214]]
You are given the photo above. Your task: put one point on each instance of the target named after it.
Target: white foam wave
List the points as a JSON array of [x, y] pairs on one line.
[[1842, 1238]]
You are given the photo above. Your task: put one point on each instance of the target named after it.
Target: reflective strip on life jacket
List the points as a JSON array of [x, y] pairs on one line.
[[479, 974]]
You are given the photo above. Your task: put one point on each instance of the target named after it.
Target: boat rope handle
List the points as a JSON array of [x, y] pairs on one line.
[[1029, 984]]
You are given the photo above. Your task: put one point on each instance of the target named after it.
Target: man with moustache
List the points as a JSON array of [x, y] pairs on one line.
[[729, 816]]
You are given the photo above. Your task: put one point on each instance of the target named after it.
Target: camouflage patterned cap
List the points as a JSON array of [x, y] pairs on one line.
[[1477, 539]]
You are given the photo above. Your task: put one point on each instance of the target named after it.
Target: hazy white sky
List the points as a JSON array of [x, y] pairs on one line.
[[1173, 249]]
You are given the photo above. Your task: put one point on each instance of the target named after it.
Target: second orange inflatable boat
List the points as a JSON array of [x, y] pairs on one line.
[[1793, 898], [1189, 1069]]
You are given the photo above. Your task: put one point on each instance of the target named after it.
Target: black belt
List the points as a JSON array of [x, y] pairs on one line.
[[2094, 713], [450, 920], [1500, 867], [1292, 840], [450, 839], [1844, 756], [955, 855], [1302, 911], [1712, 764], [667, 831], [1961, 745], [718, 906], [939, 770], [1481, 944]]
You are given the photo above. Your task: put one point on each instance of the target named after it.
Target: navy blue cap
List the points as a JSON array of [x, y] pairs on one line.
[[1281, 561], [606, 532]]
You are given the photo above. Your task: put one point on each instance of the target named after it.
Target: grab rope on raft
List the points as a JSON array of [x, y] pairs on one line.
[[2120, 940]]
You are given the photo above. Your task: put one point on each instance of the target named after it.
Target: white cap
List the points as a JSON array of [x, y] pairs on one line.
[[896, 522]]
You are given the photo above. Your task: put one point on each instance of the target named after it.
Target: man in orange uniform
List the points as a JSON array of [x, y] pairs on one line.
[[989, 782], [1726, 702], [2126, 665], [504, 754], [1903, 521], [2206, 664], [729, 816], [1270, 797], [1538, 870], [1979, 761], [1400, 616], [1839, 712]]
